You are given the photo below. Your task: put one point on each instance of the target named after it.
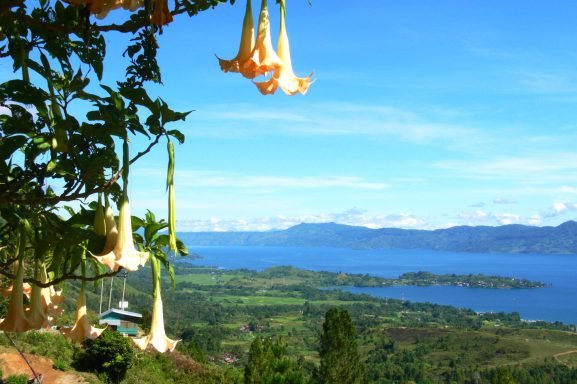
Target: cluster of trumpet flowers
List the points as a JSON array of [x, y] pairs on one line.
[[44, 303], [160, 14], [256, 56], [119, 252]]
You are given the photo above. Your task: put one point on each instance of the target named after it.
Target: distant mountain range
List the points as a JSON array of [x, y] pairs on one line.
[[504, 239]]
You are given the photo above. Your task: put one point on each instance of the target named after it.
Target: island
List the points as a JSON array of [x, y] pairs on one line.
[[471, 280], [287, 275]]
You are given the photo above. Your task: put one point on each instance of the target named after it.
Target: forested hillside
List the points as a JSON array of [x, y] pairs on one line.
[[505, 239]]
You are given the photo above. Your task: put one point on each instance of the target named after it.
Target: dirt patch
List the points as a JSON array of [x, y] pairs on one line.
[[13, 364]]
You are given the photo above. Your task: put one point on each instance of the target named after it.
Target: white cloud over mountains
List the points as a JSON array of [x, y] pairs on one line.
[[354, 216]]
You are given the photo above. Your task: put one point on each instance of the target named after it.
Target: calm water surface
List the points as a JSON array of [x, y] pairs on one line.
[[556, 303]]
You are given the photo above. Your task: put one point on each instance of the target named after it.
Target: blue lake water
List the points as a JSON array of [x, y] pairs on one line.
[[555, 303]]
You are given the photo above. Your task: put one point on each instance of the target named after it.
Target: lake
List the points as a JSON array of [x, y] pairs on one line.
[[555, 303]]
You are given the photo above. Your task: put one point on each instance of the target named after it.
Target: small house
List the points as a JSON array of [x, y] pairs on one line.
[[122, 321]]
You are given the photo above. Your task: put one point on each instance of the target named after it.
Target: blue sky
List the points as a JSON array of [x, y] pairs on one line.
[[424, 114]]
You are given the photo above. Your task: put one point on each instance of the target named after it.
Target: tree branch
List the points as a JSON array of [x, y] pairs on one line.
[[78, 195], [60, 279]]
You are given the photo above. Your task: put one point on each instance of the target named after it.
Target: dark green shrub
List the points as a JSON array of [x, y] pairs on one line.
[[110, 354]]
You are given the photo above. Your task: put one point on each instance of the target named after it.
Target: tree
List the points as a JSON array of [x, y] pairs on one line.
[[503, 376], [51, 154], [340, 359], [111, 354], [268, 363]]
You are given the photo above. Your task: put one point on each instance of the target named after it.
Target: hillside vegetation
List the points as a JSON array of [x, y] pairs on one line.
[[218, 314]]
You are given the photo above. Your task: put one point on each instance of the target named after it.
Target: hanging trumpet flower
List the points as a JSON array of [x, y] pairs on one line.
[[99, 220], [82, 328], [107, 256], [26, 290], [157, 336], [246, 44], [100, 8], [16, 320], [263, 58], [284, 76], [51, 299], [171, 198], [124, 254], [36, 314], [161, 14], [127, 256]]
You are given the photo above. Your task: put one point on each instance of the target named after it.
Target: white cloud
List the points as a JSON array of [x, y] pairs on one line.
[[336, 119], [489, 218], [509, 218], [354, 216], [500, 200], [535, 220], [213, 179], [538, 168], [477, 205], [560, 208], [550, 83], [568, 189], [476, 216]]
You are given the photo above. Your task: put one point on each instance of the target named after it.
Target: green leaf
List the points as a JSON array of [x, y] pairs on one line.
[[137, 223], [140, 97], [22, 92], [177, 135], [182, 249], [9, 145]]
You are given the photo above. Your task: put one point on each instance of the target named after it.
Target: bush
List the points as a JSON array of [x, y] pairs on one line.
[[17, 379], [50, 344], [110, 354], [61, 364]]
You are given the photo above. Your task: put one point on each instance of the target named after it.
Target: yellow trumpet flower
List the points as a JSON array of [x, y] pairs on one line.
[[101, 8], [127, 256], [16, 320], [246, 44], [161, 14], [157, 336], [51, 299], [81, 328], [284, 76], [124, 254], [35, 313], [99, 226], [263, 58], [107, 256], [26, 290]]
